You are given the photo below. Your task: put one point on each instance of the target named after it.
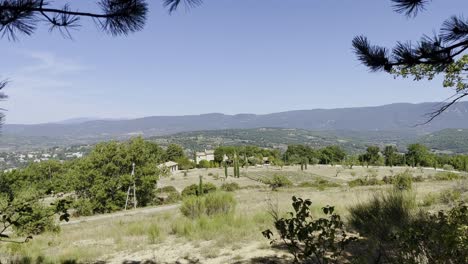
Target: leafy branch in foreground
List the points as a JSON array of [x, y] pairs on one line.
[[320, 240], [28, 217], [441, 54]]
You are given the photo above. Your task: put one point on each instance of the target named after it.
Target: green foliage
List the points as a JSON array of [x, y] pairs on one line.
[[450, 196], [403, 181], [311, 240], [371, 157], [194, 189], [230, 187], [103, 177], [418, 155], [447, 176], [320, 184], [278, 181], [219, 203], [435, 238], [204, 164], [379, 218], [211, 204], [193, 206], [174, 152], [25, 215], [365, 181]]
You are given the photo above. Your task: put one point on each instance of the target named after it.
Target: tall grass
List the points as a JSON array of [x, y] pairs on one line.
[[210, 204]]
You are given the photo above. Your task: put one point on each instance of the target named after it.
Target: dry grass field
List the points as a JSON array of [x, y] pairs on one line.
[[169, 237]]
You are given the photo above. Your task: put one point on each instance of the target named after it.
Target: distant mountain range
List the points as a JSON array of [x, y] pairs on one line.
[[351, 127], [393, 117]]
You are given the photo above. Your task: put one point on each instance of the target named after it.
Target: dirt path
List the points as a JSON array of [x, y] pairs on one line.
[[140, 211]]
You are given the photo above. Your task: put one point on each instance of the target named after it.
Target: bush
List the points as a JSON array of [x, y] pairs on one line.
[[193, 189], [429, 199], [311, 240], [403, 181], [446, 176], [365, 182], [450, 196], [193, 206], [230, 187], [319, 183], [83, 207], [448, 167], [379, 218], [279, 181], [36, 221], [435, 238], [167, 189], [211, 204], [219, 203]]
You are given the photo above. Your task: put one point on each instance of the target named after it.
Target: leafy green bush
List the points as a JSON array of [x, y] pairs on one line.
[[403, 181], [448, 167], [211, 204], [435, 238], [279, 181], [446, 176], [311, 240], [167, 189], [219, 203], [230, 187], [193, 206], [194, 189], [83, 207], [36, 221]]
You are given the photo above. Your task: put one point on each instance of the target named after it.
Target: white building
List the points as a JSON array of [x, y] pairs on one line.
[[204, 155], [171, 166]]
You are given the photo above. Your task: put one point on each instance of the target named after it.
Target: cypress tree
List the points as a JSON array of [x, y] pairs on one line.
[[225, 170], [200, 186]]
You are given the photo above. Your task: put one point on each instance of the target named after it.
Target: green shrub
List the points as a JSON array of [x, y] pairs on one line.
[[365, 182], [193, 206], [83, 207], [379, 218], [279, 181], [446, 176], [311, 240], [230, 187], [435, 238], [403, 181], [36, 221], [320, 184], [448, 167], [210, 174], [211, 204], [450, 196], [429, 199], [219, 203], [194, 188], [167, 189]]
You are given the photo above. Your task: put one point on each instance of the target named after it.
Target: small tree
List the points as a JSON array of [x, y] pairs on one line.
[[311, 240]]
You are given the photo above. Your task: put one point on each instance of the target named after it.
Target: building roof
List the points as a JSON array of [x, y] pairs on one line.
[[167, 164]]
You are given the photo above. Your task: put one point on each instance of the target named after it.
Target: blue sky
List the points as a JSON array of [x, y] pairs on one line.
[[226, 56]]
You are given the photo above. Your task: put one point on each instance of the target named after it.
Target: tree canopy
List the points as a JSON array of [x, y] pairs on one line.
[[441, 54]]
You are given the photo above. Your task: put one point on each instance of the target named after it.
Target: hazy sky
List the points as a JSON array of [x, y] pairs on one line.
[[228, 56]]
